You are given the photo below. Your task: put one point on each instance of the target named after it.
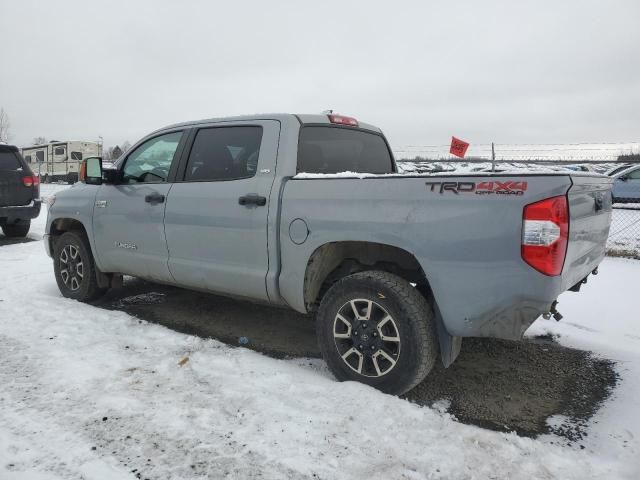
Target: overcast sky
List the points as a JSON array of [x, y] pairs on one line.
[[504, 71]]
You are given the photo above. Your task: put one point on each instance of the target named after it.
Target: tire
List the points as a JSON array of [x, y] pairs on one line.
[[15, 230], [405, 360], [79, 282]]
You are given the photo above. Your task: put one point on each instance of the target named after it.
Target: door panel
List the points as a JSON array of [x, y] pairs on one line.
[[129, 233], [215, 242], [128, 219], [629, 188]]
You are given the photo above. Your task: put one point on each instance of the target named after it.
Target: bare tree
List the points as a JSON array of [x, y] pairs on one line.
[[116, 152], [5, 126], [39, 141], [111, 153], [126, 146]]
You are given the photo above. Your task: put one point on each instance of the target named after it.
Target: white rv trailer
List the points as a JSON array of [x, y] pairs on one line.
[[57, 161]]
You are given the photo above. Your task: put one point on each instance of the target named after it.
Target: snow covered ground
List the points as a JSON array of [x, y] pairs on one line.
[[92, 394]]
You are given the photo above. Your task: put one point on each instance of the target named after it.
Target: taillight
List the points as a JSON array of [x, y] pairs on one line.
[[342, 120], [31, 181], [545, 233]]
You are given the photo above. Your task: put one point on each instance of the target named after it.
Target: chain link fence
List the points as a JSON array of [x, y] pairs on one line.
[[624, 235]]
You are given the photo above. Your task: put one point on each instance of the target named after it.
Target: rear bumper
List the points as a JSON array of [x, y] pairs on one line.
[[24, 212]]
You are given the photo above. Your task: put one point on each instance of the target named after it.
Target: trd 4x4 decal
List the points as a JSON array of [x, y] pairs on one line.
[[508, 187]]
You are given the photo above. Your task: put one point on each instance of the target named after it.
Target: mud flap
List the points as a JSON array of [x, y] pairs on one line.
[[449, 345], [108, 280]]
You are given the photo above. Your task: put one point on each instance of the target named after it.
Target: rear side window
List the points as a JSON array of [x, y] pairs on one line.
[[333, 149], [224, 153], [76, 155], [9, 161]]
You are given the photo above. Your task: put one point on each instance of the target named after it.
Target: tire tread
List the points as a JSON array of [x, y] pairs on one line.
[[415, 307], [93, 291]]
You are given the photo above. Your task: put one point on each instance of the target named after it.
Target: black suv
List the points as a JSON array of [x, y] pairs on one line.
[[19, 193]]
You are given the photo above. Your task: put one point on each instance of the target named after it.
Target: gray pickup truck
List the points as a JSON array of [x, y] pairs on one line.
[[310, 212]]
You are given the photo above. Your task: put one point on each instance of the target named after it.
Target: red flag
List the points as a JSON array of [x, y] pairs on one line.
[[458, 147]]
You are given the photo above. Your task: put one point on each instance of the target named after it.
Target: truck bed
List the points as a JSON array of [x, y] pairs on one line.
[[464, 231]]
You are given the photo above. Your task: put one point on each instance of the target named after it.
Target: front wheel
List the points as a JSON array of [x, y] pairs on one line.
[[75, 269], [16, 229], [374, 327]]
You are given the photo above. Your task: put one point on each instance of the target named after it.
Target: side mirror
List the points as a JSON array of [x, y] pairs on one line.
[[91, 171]]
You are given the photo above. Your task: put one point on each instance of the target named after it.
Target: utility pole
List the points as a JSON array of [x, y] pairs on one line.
[[493, 158]]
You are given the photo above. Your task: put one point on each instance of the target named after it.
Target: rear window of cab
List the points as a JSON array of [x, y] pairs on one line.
[[332, 149], [9, 160]]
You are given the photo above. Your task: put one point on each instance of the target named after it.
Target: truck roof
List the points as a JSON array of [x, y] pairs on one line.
[[303, 118]]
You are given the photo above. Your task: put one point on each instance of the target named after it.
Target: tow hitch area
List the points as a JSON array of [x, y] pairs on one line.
[[576, 287], [557, 316]]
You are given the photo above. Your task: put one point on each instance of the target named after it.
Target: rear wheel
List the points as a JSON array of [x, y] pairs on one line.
[[17, 229], [75, 268], [374, 327]]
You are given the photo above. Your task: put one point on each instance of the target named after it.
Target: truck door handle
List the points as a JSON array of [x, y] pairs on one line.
[[252, 199], [154, 198]]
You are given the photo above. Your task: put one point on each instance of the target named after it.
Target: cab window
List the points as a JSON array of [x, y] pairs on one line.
[[224, 153], [151, 161], [329, 149]]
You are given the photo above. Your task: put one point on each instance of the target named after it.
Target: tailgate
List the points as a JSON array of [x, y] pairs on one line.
[[13, 192], [590, 217]]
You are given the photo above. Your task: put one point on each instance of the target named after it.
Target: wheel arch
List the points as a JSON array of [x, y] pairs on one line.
[[65, 224], [334, 260], [62, 225]]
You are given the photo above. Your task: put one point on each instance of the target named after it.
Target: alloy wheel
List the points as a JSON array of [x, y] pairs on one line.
[[367, 337], [71, 267]]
